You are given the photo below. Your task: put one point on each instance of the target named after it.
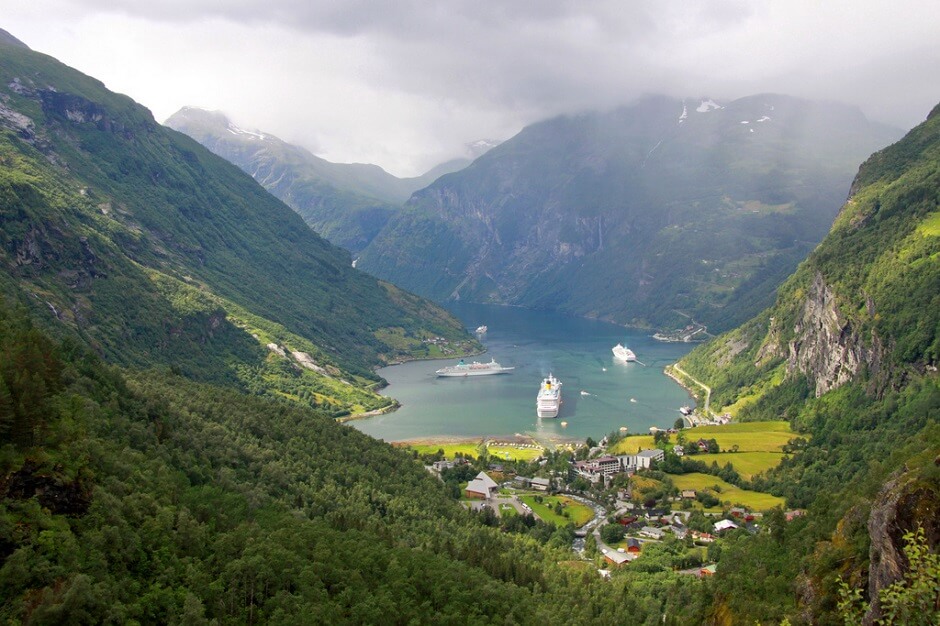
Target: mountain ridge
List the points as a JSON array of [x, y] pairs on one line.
[[347, 203], [135, 239], [670, 208]]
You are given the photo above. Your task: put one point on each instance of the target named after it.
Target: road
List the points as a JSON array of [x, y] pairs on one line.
[[708, 390]]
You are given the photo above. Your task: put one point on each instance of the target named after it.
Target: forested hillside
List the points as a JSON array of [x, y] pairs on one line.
[[152, 499], [156, 252], [849, 354], [645, 215]]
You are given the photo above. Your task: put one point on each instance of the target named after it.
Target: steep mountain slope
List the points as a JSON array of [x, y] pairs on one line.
[[346, 203], [849, 354], [643, 215], [142, 243]]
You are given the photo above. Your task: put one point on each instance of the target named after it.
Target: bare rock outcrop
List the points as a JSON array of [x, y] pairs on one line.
[[828, 348]]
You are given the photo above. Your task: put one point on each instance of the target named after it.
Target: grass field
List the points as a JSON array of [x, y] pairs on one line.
[[729, 494], [747, 464], [466, 448], [630, 445], [578, 514], [514, 453]]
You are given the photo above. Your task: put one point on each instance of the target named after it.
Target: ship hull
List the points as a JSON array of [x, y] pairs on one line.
[[474, 373]]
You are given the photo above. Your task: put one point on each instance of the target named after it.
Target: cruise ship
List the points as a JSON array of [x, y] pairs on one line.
[[474, 369], [548, 401], [623, 354]]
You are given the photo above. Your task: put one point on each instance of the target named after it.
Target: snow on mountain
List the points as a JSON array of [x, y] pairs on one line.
[[708, 105]]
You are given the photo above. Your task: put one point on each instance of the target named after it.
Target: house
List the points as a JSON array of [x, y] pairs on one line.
[[795, 513], [708, 570], [633, 545], [541, 484], [738, 511], [678, 450], [724, 525], [702, 445], [523, 481], [442, 465], [652, 533], [679, 531], [615, 557], [688, 494], [481, 487]]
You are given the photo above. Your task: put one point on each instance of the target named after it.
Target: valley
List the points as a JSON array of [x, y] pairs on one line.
[[198, 390]]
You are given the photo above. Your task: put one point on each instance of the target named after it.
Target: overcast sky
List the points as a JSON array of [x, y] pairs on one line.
[[406, 84]]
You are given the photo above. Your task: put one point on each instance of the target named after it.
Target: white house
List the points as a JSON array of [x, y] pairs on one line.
[[724, 524]]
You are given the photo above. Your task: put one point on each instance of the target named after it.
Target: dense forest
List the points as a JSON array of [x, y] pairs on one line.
[[144, 497]]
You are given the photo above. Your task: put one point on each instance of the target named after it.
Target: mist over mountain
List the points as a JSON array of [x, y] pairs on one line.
[[347, 203], [648, 214]]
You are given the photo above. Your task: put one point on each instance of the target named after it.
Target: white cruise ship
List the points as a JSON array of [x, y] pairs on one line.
[[474, 369], [548, 402], [623, 354]]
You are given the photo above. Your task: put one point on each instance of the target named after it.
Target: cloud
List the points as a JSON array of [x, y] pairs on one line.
[[406, 83]]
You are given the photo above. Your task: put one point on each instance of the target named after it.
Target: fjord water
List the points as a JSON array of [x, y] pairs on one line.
[[575, 350]]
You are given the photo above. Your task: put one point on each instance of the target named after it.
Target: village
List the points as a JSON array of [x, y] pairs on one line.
[[669, 494]]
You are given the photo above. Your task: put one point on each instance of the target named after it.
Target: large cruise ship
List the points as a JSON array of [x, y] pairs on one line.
[[474, 369], [548, 402], [623, 354]]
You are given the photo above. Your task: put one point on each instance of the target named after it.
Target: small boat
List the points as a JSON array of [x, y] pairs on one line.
[[685, 410], [632, 399], [584, 393], [603, 369], [481, 330], [563, 424]]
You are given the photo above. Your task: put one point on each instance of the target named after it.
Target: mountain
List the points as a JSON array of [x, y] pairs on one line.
[[644, 215], [347, 203], [136, 240], [848, 353]]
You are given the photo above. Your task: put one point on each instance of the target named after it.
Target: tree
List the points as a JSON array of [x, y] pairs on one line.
[[680, 423]]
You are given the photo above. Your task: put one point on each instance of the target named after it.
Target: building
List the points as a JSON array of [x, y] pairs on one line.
[[724, 525], [615, 557], [652, 533], [645, 459], [541, 484], [688, 494], [633, 545], [481, 487]]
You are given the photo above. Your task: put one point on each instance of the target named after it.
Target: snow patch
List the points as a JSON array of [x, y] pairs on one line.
[[708, 105], [235, 130]]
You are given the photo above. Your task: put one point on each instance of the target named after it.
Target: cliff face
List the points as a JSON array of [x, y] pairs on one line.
[[905, 504], [865, 305], [828, 348]]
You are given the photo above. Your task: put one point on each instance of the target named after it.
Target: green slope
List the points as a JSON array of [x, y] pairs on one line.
[[157, 252], [640, 215], [849, 354]]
